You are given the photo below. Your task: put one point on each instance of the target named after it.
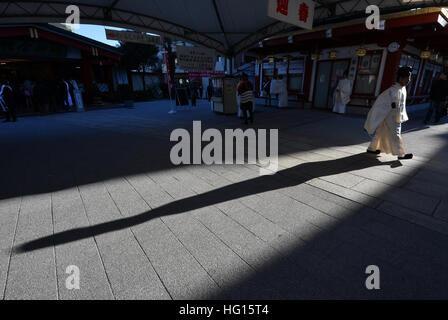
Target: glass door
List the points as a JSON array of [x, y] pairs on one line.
[[328, 75], [322, 84]]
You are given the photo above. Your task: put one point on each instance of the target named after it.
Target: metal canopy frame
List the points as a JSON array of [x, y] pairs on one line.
[[326, 12]]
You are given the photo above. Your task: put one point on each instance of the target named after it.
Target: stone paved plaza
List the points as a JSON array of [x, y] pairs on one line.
[[97, 190]]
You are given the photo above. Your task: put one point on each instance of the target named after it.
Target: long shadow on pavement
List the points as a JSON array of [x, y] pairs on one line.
[[298, 175]]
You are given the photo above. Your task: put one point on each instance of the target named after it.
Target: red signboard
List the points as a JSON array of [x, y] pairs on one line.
[[282, 7]]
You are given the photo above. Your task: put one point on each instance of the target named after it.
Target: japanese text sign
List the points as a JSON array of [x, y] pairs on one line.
[[195, 58], [296, 12]]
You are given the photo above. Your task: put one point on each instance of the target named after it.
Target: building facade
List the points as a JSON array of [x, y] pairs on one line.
[[313, 61]]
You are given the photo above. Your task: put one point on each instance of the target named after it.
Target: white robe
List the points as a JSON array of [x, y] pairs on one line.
[[69, 102], [342, 95], [78, 96], [280, 87], [385, 122], [2, 101]]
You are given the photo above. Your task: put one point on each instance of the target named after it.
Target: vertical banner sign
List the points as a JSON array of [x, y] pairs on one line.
[[296, 12], [195, 58]]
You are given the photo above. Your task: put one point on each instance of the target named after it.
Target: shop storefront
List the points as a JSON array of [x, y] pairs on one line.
[[36, 58], [314, 61]]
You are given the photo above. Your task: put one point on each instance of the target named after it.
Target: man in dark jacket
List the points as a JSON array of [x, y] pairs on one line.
[[7, 101], [438, 94]]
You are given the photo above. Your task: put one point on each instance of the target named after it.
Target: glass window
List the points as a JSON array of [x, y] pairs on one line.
[[295, 82], [295, 74], [282, 68], [365, 84], [296, 66], [367, 74]]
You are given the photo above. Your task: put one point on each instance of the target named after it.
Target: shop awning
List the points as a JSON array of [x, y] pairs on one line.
[[229, 26], [420, 28]]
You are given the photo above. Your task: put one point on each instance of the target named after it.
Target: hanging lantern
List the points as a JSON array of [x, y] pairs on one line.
[[361, 52], [425, 54], [316, 55], [333, 54]]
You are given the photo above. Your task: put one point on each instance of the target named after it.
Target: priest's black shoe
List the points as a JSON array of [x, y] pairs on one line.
[[408, 156], [374, 152]]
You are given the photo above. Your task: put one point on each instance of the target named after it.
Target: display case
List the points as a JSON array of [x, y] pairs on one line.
[[224, 95]]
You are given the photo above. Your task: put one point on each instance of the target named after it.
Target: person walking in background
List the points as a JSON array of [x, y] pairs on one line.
[[27, 91], [283, 97], [193, 94], [245, 91], [267, 92], [438, 95], [210, 90], [386, 116], [342, 94], [77, 96], [7, 102], [201, 91]]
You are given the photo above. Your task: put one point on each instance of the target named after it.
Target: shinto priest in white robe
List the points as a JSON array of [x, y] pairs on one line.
[[342, 95], [384, 122]]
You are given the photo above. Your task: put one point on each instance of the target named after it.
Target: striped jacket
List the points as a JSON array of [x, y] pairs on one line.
[[245, 90]]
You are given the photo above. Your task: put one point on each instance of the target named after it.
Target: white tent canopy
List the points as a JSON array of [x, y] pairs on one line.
[[229, 26]]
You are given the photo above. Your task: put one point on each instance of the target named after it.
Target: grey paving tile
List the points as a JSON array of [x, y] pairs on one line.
[[353, 195], [220, 262], [177, 268], [402, 197], [69, 213], [442, 210], [153, 194], [346, 180], [32, 275], [9, 213], [413, 216], [383, 176], [427, 188], [290, 221], [130, 274], [257, 253]]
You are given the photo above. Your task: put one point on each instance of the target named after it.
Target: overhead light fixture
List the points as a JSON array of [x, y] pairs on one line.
[[361, 52], [271, 59], [333, 54], [425, 54]]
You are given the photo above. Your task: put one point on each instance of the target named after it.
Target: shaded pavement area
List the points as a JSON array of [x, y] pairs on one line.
[[97, 190]]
